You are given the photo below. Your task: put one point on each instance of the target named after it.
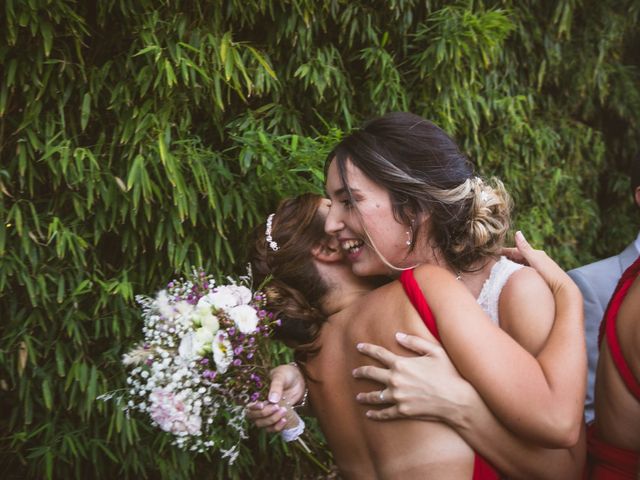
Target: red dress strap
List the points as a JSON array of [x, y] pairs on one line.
[[608, 328], [606, 462], [482, 470], [413, 291]]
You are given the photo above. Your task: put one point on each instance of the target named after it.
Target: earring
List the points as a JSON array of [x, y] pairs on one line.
[[409, 235]]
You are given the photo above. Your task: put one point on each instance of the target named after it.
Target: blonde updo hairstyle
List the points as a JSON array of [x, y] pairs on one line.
[[290, 280], [425, 172]]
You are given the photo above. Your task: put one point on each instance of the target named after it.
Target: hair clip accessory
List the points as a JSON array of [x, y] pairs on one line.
[[267, 233]]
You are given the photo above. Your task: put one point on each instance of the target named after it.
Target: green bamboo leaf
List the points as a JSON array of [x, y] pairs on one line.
[[60, 360], [162, 148], [46, 394], [85, 111], [93, 384], [262, 61], [3, 240], [134, 172], [171, 76], [3, 99], [150, 48], [47, 36]]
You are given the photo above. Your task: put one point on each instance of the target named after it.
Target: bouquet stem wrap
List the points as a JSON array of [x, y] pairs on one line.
[[294, 426]]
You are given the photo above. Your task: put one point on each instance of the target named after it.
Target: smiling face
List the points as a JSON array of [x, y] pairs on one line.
[[364, 222]]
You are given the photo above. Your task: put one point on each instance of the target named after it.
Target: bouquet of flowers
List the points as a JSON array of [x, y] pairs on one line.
[[202, 359]]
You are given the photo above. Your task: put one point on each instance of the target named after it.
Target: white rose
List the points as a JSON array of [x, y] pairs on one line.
[[245, 318], [211, 323], [242, 293], [223, 298], [203, 338], [202, 316], [222, 351]]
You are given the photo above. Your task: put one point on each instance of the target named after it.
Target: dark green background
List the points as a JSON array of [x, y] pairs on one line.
[[140, 137]]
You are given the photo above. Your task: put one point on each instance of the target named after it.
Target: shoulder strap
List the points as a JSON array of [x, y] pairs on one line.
[[413, 291], [608, 328]]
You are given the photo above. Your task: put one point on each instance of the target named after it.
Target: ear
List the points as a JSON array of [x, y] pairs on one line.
[[327, 251]]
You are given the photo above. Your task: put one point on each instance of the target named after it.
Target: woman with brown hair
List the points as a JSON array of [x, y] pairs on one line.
[[299, 257]]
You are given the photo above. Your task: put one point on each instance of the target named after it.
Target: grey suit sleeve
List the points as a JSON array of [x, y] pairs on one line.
[[593, 312]]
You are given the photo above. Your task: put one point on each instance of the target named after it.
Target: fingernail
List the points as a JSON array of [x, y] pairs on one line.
[[354, 372], [283, 410], [274, 397], [368, 414], [520, 235], [360, 346], [359, 397], [259, 405], [400, 336], [282, 420]]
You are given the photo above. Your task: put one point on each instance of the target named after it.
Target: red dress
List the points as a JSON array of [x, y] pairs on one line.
[[482, 470], [605, 461]]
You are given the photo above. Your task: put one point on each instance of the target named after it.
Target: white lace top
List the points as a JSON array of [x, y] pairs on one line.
[[490, 293]]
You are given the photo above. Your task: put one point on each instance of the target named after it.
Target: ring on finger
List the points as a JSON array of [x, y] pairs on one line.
[[381, 395]]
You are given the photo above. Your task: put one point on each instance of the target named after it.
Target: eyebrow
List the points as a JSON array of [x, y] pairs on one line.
[[342, 191]]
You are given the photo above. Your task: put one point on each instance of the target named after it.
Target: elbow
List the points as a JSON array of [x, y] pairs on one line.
[[569, 437], [564, 432]]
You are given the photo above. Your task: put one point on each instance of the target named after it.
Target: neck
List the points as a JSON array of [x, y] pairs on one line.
[[343, 289], [338, 299]]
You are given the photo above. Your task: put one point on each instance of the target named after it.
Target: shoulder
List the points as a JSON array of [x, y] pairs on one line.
[[527, 309], [595, 270], [525, 284], [427, 274], [439, 285], [434, 277]]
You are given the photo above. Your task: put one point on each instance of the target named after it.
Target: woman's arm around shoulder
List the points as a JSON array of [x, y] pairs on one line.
[[538, 398]]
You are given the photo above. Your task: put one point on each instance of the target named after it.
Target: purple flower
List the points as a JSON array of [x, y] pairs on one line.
[[250, 355], [210, 374], [237, 362], [238, 350], [255, 396], [232, 331], [204, 361]]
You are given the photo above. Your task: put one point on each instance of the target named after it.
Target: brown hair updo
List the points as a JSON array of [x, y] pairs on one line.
[[425, 172], [293, 286]]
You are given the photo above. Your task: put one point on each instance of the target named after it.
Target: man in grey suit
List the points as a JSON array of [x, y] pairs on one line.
[[597, 282]]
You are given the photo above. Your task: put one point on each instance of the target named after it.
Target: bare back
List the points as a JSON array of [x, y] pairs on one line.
[[617, 410], [364, 448]]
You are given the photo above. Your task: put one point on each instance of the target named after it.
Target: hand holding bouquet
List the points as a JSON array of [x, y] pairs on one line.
[[202, 360]]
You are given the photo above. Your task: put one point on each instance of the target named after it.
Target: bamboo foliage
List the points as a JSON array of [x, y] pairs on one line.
[[138, 138]]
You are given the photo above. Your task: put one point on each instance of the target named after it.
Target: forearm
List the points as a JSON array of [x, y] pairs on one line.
[[563, 359], [510, 454]]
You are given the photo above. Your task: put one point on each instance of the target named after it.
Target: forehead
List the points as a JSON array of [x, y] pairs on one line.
[[356, 178]]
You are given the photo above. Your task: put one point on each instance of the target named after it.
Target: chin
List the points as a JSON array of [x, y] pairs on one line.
[[366, 269]]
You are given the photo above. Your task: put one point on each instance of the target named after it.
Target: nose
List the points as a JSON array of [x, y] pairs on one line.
[[333, 223]]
